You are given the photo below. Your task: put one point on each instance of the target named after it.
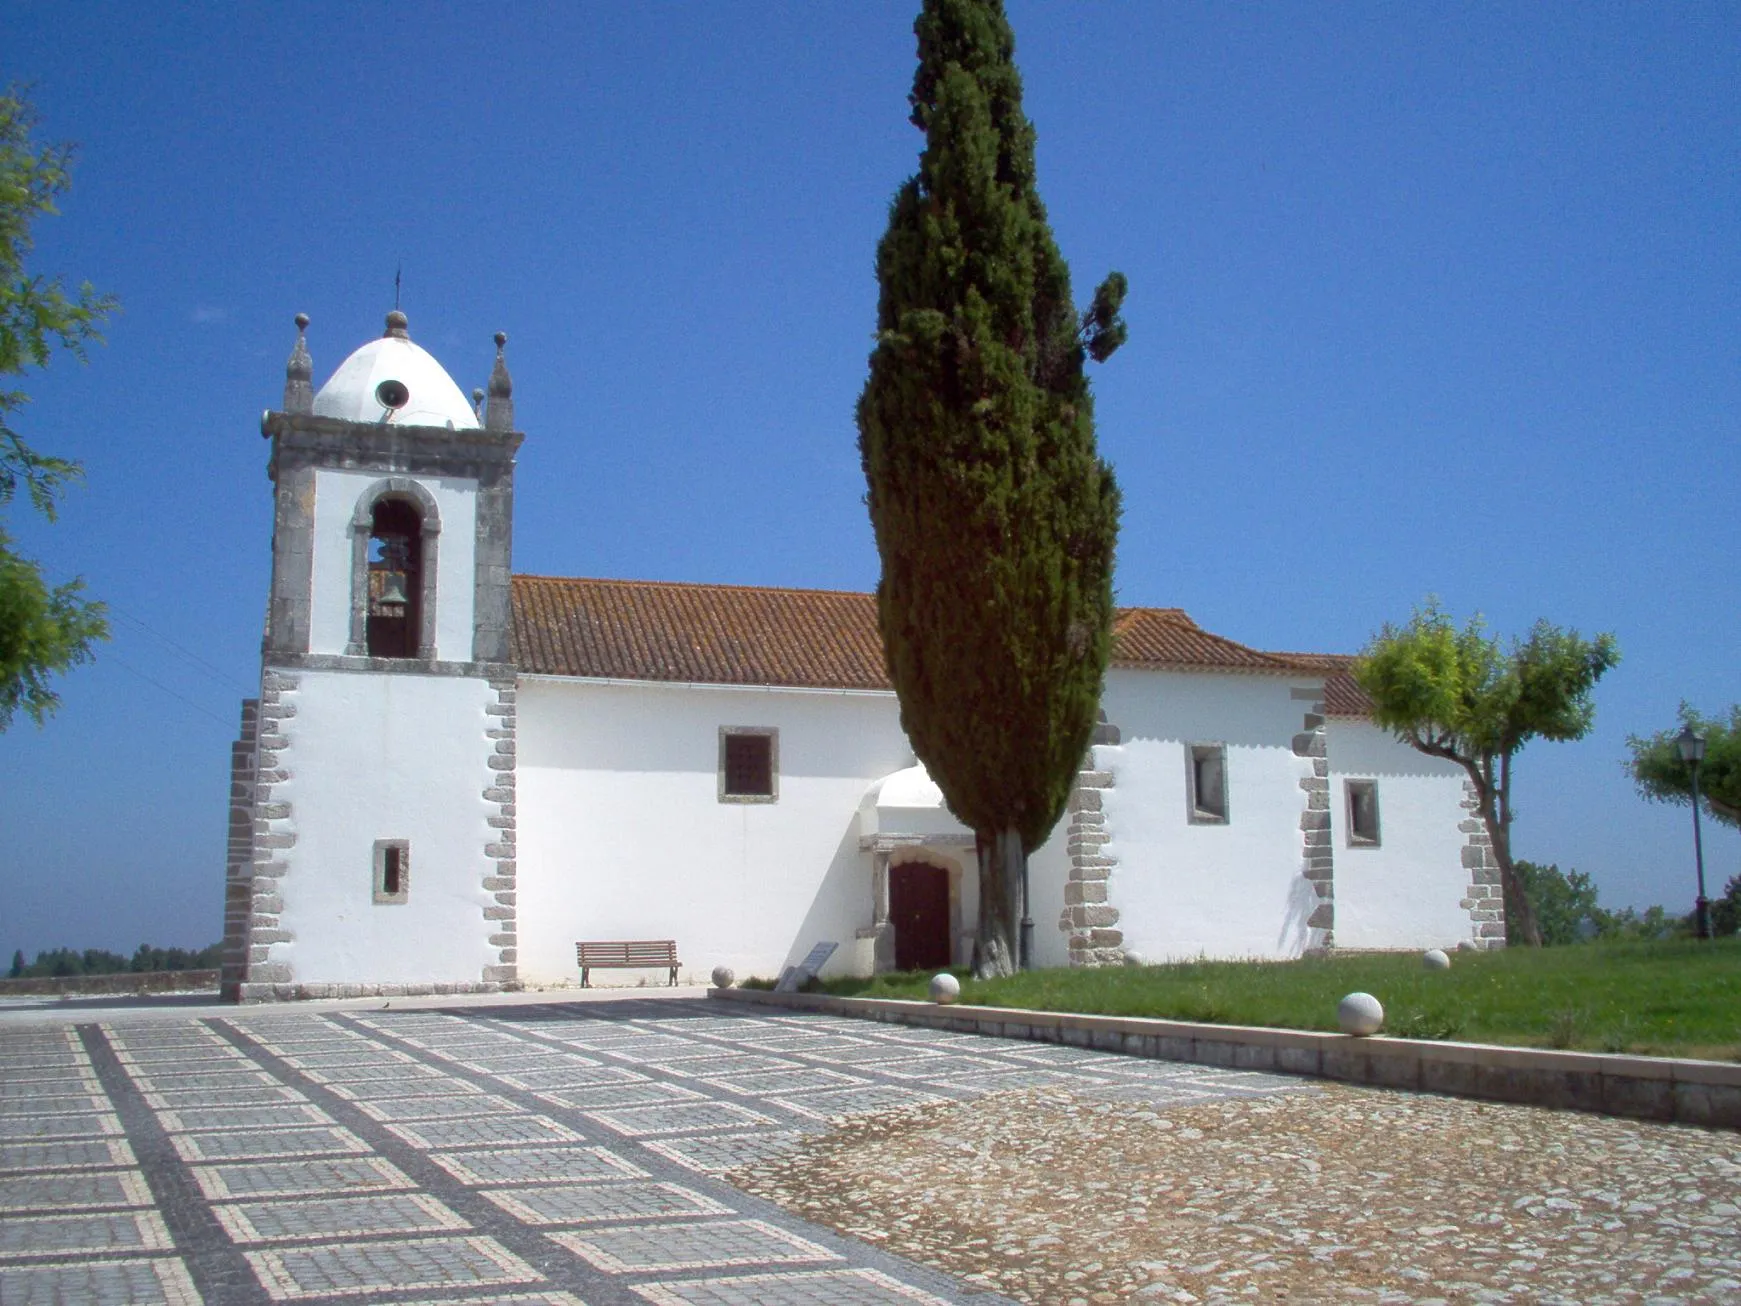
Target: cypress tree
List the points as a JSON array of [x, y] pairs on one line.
[[995, 517]]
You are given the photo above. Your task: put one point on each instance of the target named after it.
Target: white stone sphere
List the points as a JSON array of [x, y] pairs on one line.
[[1435, 959], [1135, 959], [945, 987], [723, 977], [1359, 1014], [1465, 946]]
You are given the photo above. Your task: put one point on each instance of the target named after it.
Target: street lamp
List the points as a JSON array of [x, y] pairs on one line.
[[1692, 748]]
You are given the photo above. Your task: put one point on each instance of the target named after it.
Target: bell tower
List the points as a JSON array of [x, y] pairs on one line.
[[378, 784]]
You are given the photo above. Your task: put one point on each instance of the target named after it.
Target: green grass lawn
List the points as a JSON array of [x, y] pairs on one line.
[[1671, 998]]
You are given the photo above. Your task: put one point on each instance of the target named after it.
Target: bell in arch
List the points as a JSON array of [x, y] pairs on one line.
[[393, 588]]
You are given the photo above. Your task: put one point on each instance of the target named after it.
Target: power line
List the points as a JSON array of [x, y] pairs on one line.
[[204, 711], [222, 675]]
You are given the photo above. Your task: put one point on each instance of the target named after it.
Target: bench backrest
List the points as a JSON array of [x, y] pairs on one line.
[[630, 952]]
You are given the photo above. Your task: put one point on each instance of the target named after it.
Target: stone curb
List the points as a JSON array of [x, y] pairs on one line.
[[1646, 1088]]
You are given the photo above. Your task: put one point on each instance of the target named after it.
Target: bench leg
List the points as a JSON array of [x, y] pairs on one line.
[[673, 977], [584, 972]]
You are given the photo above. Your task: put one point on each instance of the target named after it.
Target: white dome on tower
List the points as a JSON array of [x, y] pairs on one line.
[[395, 382]]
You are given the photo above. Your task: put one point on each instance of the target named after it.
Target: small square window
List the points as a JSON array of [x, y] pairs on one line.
[[1362, 813], [749, 764], [1206, 783], [392, 870]]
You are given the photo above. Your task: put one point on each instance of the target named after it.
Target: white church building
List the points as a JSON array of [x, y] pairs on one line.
[[452, 773]]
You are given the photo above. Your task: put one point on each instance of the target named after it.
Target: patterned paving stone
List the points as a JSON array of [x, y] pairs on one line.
[[1047, 1055], [155, 1282], [370, 1090], [362, 1054], [70, 1154], [536, 1165], [51, 1104], [716, 1244], [352, 1269], [178, 1099], [335, 1217], [803, 1288], [212, 1056], [298, 1178], [770, 1082], [1007, 1078], [730, 1064], [598, 1202], [638, 1121], [285, 1116], [801, 1042], [605, 1096], [436, 1108], [872, 1055], [46, 1235], [483, 1133], [16, 1088], [941, 1069], [527, 1059], [91, 1124], [574, 1076], [249, 1145], [717, 1153], [363, 1072], [72, 1190], [834, 1104], [511, 1299], [172, 1082]]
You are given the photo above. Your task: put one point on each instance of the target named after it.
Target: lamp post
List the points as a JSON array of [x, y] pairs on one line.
[[1692, 748]]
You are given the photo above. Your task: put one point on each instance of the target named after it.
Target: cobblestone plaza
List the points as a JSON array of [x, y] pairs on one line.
[[551, 1153]]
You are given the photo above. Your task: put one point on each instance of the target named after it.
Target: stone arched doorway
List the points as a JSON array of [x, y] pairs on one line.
[[919, 912]]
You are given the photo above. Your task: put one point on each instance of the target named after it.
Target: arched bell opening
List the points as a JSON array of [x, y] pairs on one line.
[[392, 627], [395, 531]]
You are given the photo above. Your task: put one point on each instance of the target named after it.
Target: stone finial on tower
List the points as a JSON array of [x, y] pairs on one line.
[[500, 415], [398, 326], [299, 372], [478, 401]]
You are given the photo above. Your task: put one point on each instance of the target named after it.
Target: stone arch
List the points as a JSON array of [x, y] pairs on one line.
[[418, 499]]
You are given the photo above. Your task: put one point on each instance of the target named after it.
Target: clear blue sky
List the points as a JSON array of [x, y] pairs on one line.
[[1424, 299]]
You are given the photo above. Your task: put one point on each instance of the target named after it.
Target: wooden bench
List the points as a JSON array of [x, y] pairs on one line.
[[631, 954]]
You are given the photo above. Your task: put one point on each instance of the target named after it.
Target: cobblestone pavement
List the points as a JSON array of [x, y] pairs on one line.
[[1346, 1194], [564, 1154]]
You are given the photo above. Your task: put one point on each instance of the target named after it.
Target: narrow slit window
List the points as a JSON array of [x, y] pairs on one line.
[[749, 764], [392, 870], [395, 580], [1206, 779], [1363, 813]]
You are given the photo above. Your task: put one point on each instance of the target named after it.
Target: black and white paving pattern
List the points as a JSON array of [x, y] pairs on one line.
[[563, 1154]]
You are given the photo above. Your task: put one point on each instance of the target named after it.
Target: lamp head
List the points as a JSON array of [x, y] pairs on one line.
[[1691, 744]]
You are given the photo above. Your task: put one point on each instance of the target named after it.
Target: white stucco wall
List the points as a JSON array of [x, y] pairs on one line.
[[374, 756], [622, 834], [335, 502], [1223, 890], [1406, 892]]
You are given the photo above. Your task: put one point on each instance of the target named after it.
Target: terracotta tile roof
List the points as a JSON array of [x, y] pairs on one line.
[[1342, 697], [706, 634], [825, 639], [1166, 637]]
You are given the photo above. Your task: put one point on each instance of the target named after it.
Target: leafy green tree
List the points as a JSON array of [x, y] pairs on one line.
[[995, 517], [1561, 903], [44, 630], [1726, 911], [1662, 777], [1458, 694]]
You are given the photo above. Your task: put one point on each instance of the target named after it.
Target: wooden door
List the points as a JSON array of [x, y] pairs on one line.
[[919, 910]]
